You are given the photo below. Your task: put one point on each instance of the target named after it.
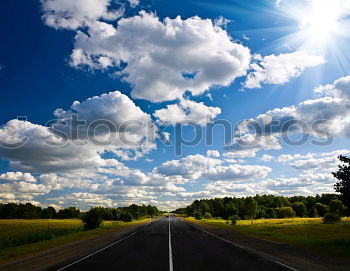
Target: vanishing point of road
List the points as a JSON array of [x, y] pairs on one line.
[[171, 243]]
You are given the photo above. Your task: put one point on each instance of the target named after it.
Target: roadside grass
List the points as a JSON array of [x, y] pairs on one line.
[[42, 235], [20, 232], [308, 233]]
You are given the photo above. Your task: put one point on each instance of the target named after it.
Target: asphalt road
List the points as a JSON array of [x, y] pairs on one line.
[[169, 243]]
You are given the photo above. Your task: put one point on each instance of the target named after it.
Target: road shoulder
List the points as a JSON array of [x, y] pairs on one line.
[[297, 258], [59, 256]]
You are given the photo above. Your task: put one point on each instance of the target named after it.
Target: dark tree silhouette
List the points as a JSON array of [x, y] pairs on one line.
[[343, 175]]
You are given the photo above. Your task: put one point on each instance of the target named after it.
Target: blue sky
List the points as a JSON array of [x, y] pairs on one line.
[[138, 71]]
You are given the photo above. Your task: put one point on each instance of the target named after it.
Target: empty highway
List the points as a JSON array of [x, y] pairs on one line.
[[170, 243]]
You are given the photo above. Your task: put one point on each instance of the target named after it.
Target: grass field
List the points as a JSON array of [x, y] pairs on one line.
[[19, 232], [308, 233], [22, 237]]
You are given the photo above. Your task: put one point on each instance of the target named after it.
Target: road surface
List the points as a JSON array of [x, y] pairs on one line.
[[170, 243]]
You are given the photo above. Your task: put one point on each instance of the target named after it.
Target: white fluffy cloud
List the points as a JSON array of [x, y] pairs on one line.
[[266, 158], [237, 172], [84, 199], [325, 116], [313, 162], [18, 176], [43, 150], [130, 134], [189, 167], [303, 184], [247, 145], [187, 112], [164, 59], [74, 14], [213, 153], [279, 69], [113, 117], [134, 3], [331, 106], [193, 167]]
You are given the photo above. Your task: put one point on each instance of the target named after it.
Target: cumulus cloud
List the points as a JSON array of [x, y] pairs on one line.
[[134, 3], [115, 118], [323, 117], [164, 58], [125, 130], [312, 162], [303, 184], [266, 158], [186, 112], [292, 157], [43, 150], [247, 145], [193, 167], [279, 69], [213, 153], [189, 167], [221, 22], [74, 14], [237, 172], [83, 200], [18, 176]]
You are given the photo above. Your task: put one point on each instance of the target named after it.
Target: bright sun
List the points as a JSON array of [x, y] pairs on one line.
[[321, 20]]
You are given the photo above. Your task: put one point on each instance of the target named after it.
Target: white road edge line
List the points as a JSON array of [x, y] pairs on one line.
[[82, 259], [171, 268], [227, 241]]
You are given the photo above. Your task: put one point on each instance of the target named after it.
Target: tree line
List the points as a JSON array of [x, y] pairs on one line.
[[266, 206], [329, 206], [30, 211]]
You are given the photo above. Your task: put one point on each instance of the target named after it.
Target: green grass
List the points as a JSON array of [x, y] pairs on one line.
[[307, 233], [20, 232], [20, 238]]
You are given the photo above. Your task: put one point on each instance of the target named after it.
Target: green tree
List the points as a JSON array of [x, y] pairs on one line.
[[70, 212], [49, 212], [331, 218], [93, 218], [313, 213], [300, 209], [197, 215], [285, 212], [270, 213], [230, 209], [250, 208], [126, 217], [343, 175], [321, 209], [336, 207]]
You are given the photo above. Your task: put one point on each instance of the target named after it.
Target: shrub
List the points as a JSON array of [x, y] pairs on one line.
[[234, 219], [331, 218], [321, 209], [285, 212], [207, 215], [336, 207], [197, 215], [126, 217], [93, 218]]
